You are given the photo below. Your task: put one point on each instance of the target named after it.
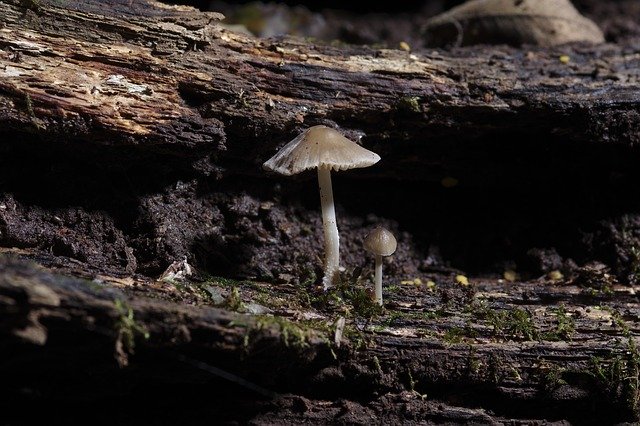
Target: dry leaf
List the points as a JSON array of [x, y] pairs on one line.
[[515, 22]]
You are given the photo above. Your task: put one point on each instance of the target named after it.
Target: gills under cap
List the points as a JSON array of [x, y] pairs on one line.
[[320, 147], [380, 242]]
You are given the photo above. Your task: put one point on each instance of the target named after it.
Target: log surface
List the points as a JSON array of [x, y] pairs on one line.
[[183, 82], [423, 360]]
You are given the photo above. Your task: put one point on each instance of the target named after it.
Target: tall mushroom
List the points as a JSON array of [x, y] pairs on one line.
[[380, 242], [325, 149]]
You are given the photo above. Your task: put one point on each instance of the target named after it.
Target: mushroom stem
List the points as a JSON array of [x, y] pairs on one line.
[[331, 237], [378, 279]]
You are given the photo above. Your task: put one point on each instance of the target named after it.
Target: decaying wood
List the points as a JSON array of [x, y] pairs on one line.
[[187, 86], [453, 355]]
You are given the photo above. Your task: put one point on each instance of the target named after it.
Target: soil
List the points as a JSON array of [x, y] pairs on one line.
[[499, 215], [487, 206]]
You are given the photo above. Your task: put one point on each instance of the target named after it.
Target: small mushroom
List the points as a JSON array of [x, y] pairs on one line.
[[323, 148], [380, 242]]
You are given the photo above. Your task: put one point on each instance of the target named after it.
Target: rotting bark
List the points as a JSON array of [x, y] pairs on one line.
[[423, 359], [145, 130], [184, 84]]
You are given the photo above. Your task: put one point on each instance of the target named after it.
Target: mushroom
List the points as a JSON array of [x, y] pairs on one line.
[[325, 149], [380, 242]]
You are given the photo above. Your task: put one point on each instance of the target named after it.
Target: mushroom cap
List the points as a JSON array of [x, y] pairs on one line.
[[320, 147], [380, 242]]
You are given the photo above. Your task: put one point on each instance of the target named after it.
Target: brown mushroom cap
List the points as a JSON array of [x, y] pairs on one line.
[[380, 242], [320, 147], [540, 22]]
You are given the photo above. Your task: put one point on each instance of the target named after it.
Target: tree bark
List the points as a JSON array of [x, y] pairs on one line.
[[172, 79]]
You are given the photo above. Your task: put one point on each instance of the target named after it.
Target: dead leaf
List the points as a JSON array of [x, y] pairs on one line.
[[515, 22], [178, 271]]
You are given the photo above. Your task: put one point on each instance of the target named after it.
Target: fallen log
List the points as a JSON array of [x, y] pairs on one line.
[[541, 351]]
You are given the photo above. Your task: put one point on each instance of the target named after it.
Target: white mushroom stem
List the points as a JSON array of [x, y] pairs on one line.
[[331, 237], [378, 280]]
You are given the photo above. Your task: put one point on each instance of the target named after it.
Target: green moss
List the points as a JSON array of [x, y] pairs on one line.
[[618, 321], [409, 103], [127, 328], [241, 323], [271, 301], [495, 369], [459, 334], [349, 296], [225, 282], [629, 250], [296, 335], [353, 291], [473, 363], [551, 376], [358, 339], [515, 374], [479, 308], [454, 335], [564, 327], [362, 303], [322, 327], [392, 318], [395, 317], [515, 324], [605, 291], [309, 276], [293, 335], [28, 105], [377, 366], [619, 377], [412, 381], [392, 289], [234, 301], [305, 299]]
